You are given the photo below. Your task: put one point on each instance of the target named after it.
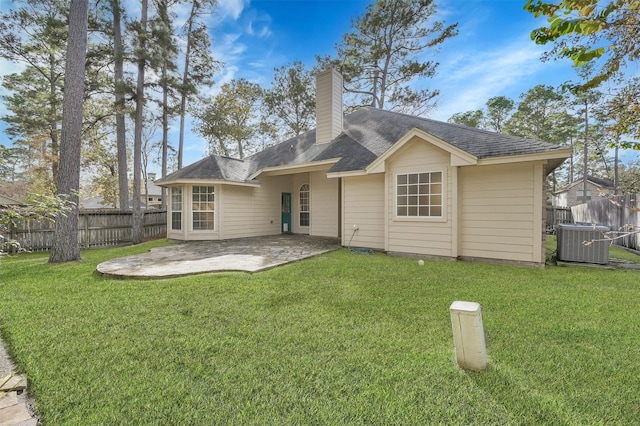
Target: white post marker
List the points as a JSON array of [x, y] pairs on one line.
[[468, 335]]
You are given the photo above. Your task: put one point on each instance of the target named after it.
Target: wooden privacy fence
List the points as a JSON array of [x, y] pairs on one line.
[[619, 213], [97, 228], [557, 215]]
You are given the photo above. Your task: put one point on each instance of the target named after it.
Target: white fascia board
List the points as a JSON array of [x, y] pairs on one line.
[[208, 182], [560, 154], [350, 173], [311, 166]]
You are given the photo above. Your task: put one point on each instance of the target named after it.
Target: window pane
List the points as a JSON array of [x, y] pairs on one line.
[[304, 219], [203, 205], [421, 195], [176, 221]]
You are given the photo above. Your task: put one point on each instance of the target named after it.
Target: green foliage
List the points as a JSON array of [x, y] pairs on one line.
[[630, 178], [231, 120], [623, 114], [499, 110], [366, 340], [587, 30], [541, 113], [470, 118], [290, 103], [39, 208], [385, 53]]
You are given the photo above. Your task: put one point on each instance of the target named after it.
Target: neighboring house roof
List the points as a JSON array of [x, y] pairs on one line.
[[368, 134], [600, 183]]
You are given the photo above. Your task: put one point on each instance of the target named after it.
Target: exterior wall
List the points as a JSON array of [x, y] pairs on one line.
[[240, 211], [427, 236], [501, 212], [324, 205], [186, 233], [267, 207], [363, 204]]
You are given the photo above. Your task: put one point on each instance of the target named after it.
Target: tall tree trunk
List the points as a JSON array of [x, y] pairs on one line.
[[616, 166], [53, 121], [121, 142], [137, 141], [165, 131], [585, 152], [65, 245], [185, 79]]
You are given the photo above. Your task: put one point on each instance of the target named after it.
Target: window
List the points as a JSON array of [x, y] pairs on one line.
[[203, 204], [419, 195], [176, 208], [581, 198], [304, 205]]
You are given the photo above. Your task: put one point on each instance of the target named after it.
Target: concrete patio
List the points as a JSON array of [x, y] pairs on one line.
[[245, 254]]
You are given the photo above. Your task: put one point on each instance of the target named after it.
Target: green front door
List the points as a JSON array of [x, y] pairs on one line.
[[286, 212]]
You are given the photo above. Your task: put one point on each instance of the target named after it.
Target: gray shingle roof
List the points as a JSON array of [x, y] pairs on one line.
[[367, 134]]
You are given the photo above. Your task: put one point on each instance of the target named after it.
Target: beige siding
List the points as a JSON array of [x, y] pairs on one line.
[[500, 212], [363, 205], [328, 106], [431, 237], [250, 212], [324, 205], [267, 204], [237, 208]]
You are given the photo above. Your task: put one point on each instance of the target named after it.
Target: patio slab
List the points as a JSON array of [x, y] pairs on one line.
[[244, 254]]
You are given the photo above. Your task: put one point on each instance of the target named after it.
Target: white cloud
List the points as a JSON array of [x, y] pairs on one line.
[[467, 80], [231, 8]]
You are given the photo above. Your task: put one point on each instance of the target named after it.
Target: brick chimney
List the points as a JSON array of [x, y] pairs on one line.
[[328, 105]]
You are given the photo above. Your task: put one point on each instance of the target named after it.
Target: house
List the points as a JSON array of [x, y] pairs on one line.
[[150, 197], [376, 179], [572, 194], [151, 193]]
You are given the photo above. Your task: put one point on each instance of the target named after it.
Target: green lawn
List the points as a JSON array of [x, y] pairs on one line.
[[337, 339]]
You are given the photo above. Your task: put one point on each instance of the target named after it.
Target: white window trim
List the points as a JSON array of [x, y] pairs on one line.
[[181, 211], [192, 211], [442, 218], [300, 211]]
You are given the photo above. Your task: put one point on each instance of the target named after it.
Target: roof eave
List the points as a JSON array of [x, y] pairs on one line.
[[196, 181], [553, 158], [310, 166], [459, 157]]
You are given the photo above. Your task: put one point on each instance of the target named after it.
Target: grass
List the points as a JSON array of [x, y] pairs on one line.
[[337, 339]]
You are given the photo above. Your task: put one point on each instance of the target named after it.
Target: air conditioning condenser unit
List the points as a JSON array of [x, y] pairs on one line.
[[572, 247]]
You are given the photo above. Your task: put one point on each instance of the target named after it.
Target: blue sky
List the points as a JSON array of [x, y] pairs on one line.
[[492, 55]]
